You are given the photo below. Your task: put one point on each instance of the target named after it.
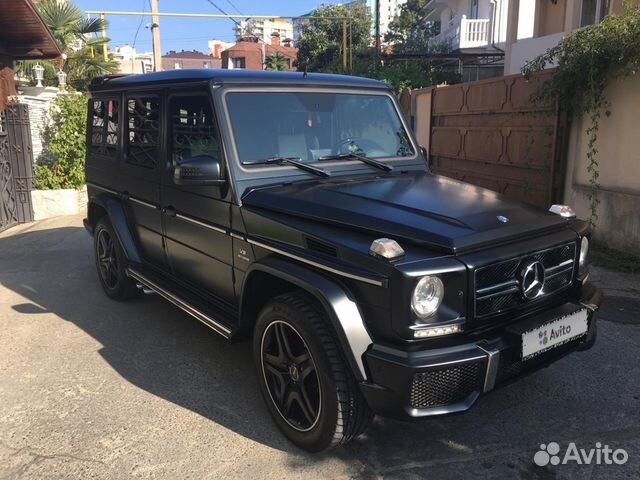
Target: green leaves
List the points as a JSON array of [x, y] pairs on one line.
[[63, 159], [320, 48], [588, 60], [277, 62]]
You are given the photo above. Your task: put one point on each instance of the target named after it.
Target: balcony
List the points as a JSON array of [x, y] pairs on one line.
[[461, 32]]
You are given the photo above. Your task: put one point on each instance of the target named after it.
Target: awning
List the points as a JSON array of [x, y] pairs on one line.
[[23, 33]]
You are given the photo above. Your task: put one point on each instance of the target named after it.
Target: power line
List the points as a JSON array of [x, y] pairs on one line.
[[234, 7], [135, 37]]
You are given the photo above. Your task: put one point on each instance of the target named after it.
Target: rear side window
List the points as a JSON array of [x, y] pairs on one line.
[[104, 127], [143, 123]]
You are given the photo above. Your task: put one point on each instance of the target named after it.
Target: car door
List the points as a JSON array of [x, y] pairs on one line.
[[140, 172], [197, 218]]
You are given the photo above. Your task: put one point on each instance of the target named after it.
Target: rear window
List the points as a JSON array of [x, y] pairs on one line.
[[143, 123], [104, 127]]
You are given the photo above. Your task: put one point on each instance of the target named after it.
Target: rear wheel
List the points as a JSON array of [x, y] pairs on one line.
[[111, 263], [310, 392]]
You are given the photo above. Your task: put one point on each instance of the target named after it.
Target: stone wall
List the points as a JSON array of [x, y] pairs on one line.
[[39, 101]]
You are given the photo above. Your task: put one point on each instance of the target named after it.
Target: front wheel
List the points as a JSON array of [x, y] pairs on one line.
[[310, 392]]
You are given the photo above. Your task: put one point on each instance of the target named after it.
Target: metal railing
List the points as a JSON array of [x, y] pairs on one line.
[[474, 33]]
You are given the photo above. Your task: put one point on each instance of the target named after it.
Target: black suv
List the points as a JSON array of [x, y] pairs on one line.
[[298, 210]]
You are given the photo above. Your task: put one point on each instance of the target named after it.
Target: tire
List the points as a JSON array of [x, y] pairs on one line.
[[309, 390], [111, 263]]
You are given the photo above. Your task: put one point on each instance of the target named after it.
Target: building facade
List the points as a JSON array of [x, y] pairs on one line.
[[252, 55], [173, 60], [262, 29], [131, 61], [388, 10], [534, 26], [469, 24]]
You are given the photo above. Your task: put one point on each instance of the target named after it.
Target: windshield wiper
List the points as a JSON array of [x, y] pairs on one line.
[[356, 156], [295, 161]]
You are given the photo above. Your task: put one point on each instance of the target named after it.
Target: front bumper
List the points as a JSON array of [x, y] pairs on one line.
[[410, 385]]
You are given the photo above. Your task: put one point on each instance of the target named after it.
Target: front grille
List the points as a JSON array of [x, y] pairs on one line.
[[497, 287], [446, 386]]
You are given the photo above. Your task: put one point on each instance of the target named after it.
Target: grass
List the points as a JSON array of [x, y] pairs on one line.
[[612, 259]]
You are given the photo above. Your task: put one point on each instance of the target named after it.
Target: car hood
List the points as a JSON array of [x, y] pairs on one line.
[[419, 207]]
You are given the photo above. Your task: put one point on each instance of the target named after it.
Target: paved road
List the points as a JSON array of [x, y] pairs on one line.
[[94, 388]]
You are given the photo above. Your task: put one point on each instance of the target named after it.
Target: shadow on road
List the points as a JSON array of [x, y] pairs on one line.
[[161, 350]]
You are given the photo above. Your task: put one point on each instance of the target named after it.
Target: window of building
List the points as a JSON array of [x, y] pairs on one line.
[[206, 65], [193, 129], [239, 62], [104, 127], [143, 123], [594, 11], [177, 66], [474, 9]]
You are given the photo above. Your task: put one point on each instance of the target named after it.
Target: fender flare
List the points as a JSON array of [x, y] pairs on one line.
[[338, 302], [117, 217]]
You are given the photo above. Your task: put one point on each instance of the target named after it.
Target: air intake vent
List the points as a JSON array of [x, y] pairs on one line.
[[321, 247]]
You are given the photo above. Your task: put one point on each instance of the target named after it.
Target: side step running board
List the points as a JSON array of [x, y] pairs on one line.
[[178, 302]]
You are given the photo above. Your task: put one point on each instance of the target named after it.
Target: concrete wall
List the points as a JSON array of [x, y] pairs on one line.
[[619, 156], [526, 49]]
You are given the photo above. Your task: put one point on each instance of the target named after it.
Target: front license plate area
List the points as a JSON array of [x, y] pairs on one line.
[[554, 333]]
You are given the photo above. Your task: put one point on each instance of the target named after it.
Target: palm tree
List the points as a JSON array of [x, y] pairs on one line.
[[276, 61], [76, 35]]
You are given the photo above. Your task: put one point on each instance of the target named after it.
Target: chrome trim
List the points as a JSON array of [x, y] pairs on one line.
[[497, 286], [143, 203], [501, 292], [104, 189], [560, 265], [493, 360], [178, 302], [199, 223], [238, 236], [445, 409], [370, 281]]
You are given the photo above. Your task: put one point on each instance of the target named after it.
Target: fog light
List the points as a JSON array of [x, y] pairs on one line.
[[429, 332]]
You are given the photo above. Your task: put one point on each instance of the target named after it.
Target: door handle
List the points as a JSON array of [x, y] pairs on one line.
[[169, 211]]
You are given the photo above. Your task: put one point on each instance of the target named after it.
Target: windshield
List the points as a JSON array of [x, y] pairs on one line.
[[315, 126]]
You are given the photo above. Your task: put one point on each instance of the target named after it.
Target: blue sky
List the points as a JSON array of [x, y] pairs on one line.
[[187, 34]]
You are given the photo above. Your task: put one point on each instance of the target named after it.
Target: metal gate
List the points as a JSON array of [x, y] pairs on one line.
[[490, 133], [16, 166]]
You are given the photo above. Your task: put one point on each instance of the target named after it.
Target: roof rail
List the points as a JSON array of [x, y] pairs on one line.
[[101, 80]]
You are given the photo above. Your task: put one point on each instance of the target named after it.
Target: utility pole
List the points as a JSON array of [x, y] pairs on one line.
[[377, 25], [155, 32], [103, 28], [344, 45]]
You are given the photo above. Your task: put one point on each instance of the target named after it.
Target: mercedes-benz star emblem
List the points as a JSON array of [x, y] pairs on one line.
[[532, 279]]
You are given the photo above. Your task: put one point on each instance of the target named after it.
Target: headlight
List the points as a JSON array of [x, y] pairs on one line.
[[584, 250], [427, 296]]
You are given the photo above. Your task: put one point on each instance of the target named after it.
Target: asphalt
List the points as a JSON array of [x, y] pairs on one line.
[[91, 388]]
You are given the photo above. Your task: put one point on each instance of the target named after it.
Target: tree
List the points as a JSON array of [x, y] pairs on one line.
[[277, 62], [410, 31], [320, 48], [75, 34]]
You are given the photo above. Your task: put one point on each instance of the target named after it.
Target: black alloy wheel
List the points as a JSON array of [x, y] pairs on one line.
[[308, 387], [107, 259], [111, 263], [290, 376]]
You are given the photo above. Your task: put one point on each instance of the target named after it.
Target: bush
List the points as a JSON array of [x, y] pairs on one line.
[[62, 162]]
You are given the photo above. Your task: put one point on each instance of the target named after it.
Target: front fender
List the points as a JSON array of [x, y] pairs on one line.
[[337, 301]]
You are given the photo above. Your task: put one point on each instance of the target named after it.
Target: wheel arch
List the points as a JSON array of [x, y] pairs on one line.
[[100, 206], [339, 304]]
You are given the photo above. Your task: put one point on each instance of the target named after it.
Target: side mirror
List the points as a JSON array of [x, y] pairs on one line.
[[199, 170]]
